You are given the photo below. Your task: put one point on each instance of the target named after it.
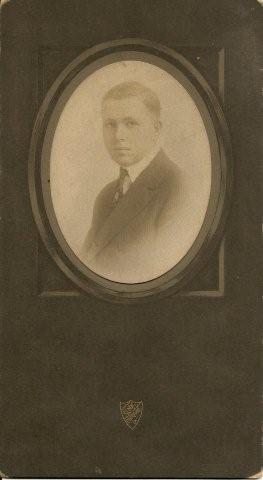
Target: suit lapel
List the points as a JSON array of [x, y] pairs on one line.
[[134, 201]]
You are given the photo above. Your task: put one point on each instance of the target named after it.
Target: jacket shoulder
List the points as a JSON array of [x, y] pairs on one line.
[[101, 209], [103, 203], [169, 171], [106, 193], [169, 190]]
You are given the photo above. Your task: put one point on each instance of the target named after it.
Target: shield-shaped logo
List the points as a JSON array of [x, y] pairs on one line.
[[131, 412]]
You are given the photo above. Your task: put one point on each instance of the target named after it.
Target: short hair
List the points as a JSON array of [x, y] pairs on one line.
[[135, 89]]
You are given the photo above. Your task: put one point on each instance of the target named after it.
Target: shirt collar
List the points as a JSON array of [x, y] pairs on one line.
[[136, 169]]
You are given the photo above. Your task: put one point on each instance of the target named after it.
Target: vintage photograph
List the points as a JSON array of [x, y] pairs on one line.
[[130, 171], [130, 221]]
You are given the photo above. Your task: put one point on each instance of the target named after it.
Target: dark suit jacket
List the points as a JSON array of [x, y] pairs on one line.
[[126, 238]]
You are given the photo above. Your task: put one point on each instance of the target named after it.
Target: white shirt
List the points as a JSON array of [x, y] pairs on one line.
[[137, 168]]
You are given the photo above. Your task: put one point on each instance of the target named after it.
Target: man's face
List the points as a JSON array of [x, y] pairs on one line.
[[130, 130]]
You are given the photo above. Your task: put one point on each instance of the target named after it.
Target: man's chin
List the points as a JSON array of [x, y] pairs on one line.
[[124, 160]]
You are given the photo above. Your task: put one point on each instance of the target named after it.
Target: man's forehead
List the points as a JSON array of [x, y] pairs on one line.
[[133, 103]]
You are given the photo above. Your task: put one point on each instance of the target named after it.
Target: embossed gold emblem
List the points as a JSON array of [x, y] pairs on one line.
[[131, 412]]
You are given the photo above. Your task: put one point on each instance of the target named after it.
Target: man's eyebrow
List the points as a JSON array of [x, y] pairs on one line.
[[125, 119], [131, 118]]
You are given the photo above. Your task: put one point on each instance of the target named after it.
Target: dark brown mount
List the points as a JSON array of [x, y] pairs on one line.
[[211, 280], [68, 360]]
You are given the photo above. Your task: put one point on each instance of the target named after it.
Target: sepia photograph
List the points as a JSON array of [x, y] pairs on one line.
[[130, 171], [131, 239]]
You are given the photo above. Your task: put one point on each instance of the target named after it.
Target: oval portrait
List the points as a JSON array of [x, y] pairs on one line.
[[130, 169]]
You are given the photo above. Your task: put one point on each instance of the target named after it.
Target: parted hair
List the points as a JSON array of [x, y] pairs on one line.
[[135, 89]]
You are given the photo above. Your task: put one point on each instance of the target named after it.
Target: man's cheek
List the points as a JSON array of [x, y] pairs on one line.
[[108, 140]]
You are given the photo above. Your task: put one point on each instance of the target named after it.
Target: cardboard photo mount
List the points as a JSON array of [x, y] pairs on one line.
[[168, 387]]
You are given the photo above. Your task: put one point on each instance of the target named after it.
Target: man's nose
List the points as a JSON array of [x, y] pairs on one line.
[[120, 132]]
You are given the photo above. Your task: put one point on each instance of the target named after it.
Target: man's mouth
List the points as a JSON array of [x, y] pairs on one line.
[[122, 149]]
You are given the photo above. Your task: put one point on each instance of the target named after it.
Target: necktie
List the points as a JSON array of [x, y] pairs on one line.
[[123, 184]]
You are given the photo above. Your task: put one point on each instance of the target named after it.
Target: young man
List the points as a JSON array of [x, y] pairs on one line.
[[133, 216]]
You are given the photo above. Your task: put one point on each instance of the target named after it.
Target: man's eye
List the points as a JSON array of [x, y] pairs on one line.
[[109, 124], [130, 123]]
